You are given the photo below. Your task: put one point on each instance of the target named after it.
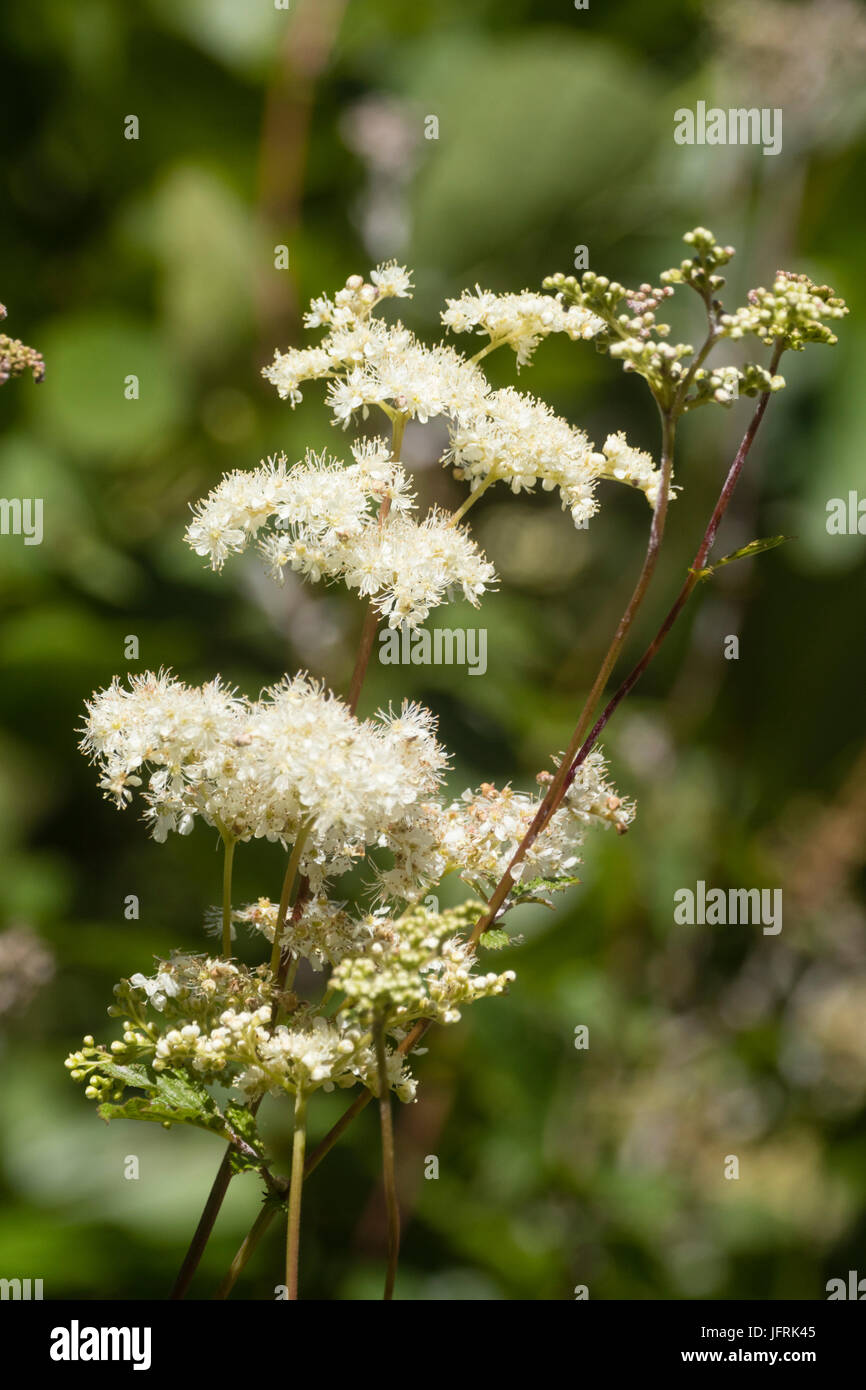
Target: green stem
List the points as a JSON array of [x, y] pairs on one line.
[[254, 1235], [293, 1228], [386, 1124], [371, 618], [288, 884], [228, 859], [473, 497]]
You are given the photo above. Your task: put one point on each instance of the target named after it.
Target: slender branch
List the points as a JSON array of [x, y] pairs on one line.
[[386, 1124], [555, 790], [204, 1227], [473, 497], [261, 1224], [691, 581], [293, 1227], [566, 774], [312, 1161], [288, 884], [223, 1177], [228, 857], [371, 618]]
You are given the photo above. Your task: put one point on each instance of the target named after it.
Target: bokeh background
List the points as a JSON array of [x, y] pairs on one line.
[[261, 127]]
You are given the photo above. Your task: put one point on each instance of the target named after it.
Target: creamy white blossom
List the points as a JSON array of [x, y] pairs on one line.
[[418, 966], [520, 320], [354, 523], [482, 831], [294, 759], [493, 435]]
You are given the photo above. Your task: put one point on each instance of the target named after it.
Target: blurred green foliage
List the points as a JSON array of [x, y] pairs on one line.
[[155, 257]]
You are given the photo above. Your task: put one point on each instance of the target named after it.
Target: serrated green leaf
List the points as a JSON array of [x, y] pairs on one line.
[[159, 1112], [241, 1122], [495, 939], [173, 1098], [745, 552]]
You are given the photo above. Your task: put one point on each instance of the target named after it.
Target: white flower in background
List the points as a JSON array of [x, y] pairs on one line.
[[520, 320]]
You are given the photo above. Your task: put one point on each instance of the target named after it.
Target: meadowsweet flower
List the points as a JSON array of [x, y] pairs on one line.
[[792, 312], [493, 435], [327, 521], [520, 320], [324, 933], [632, 466], [520, 440], [16, 357], [194, 987], [418, 966], [485, 828], [294, 758]]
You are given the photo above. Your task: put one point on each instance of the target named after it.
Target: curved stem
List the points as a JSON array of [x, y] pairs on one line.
[[293, 1226], [473, 497]]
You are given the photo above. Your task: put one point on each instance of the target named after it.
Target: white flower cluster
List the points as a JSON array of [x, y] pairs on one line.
[[417, 967], [193, 987], [243, 1051], [294, 758], [520, 320], [518, 439], [350, 523], [493, 435], [632, 466], [483, 829], [323, 935]]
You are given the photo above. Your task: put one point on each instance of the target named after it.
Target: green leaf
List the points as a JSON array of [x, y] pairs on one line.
[[745, 552], [495, 939], [173, 1099], [242, 1122]]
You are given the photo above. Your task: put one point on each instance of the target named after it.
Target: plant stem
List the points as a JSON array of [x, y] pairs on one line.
[[555, 790], [293, 1228], [228, 859], [204, 1227], [386, 1124], [261, 1224], [221, 1182], [312, 1161], [566, 773], [288, 884], [371, 618], [690, 583], [473, 497]]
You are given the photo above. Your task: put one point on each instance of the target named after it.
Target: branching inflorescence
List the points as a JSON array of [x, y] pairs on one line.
[[299, 768]]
